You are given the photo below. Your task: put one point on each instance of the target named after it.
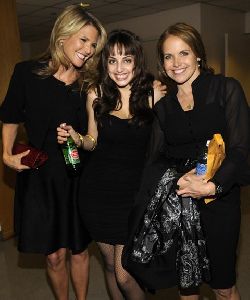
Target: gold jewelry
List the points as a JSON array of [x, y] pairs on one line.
[[189, 106], [90, 137], [81, 140]]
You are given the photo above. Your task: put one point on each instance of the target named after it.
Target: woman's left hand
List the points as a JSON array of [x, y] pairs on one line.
[[195, 186], [160, 90]]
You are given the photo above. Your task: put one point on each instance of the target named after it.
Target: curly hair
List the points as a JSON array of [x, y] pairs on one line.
[[127, 43], [69, 22]]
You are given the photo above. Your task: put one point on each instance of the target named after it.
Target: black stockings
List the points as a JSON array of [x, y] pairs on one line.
[[120, 283]]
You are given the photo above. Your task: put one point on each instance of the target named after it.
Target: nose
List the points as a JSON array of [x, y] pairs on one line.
[[119, 67], [176, 61], [87, 48]]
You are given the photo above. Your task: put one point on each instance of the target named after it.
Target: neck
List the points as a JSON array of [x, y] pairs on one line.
[[68, 76]]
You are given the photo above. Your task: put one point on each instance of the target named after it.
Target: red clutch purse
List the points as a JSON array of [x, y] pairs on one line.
[[34, 159]]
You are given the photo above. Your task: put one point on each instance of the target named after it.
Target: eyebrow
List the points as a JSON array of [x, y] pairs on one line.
[[188, 50], [125, 56]]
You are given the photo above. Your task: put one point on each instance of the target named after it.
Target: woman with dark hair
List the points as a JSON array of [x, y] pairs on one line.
[[42, 94], [120, 118], [197, 241]]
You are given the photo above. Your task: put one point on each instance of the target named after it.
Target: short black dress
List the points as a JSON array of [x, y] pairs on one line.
[[46, 214], [111, 178]]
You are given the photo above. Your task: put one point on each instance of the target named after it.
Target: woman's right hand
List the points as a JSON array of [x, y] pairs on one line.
[[14, 161], [64, 131]]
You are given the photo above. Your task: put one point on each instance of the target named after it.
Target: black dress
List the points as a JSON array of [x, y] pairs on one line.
[[46, 215], [219, 107], [111, 179]]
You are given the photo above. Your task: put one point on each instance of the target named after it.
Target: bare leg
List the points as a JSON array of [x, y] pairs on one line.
[[130, 288], [58, 274], [107, 252], [227, 294], [191, 297], [79, 267]]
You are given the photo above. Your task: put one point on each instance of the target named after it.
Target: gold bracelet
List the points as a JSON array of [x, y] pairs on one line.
[[81, 140], [90, 137]]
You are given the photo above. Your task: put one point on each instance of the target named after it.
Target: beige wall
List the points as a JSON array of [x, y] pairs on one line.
[[238, 60], [30, 50], [247, 22], [10, 54], [213, 22], [150, 27], [213, 29]]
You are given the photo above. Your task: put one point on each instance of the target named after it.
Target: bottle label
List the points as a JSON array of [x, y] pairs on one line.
[[74, 156], [201, 169]]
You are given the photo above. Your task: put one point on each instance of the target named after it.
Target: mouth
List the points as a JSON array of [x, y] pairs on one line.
[[81, 56], [179, 71], [120, 77]]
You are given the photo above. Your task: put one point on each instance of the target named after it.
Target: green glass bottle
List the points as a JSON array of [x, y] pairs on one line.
[[71, 156]]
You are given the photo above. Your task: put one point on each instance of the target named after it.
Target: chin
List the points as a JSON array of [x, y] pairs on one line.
[[122, 85]]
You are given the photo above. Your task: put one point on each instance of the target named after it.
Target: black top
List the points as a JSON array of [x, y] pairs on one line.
[[220, 106], [34, 100]]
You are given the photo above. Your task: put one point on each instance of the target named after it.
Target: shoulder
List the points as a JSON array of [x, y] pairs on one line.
[[26, 68], [91, 96], [229, 81], [28, 65], [163, 105]]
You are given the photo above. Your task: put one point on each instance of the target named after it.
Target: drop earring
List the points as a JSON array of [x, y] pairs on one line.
[[198, 60]]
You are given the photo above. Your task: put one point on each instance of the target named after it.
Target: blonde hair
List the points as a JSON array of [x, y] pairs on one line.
[[69, 22]]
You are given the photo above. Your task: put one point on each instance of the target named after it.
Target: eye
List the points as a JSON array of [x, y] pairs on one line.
[[84, 40], [167, 56], [184, 53], [94, 45], [128, 60], [111, 61]]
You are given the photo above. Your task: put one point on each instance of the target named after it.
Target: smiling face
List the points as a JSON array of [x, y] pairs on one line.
[[79, 47], [179, 61], [121, 67]]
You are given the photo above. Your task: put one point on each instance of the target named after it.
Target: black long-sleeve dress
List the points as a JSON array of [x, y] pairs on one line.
[[219, 107], [46, 213]]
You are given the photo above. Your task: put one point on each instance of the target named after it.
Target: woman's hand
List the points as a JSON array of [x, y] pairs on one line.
[[64, 131], [195, 186], [9, 132], [160, 90], [14, 161]]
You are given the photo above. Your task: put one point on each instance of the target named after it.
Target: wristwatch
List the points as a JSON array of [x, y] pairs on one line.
[[218, 187]]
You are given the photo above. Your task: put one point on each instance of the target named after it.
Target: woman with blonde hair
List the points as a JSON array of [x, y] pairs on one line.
[[42, 94]]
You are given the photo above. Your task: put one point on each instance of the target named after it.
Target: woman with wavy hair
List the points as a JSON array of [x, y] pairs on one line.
[[42, 94], [120, 117]]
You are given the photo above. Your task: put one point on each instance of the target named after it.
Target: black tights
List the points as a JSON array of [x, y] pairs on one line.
[[120, 283]]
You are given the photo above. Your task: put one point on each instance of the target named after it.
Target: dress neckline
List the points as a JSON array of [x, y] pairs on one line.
[[124, 119]]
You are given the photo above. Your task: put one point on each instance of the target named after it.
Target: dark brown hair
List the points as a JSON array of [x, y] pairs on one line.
[[141, 84]]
